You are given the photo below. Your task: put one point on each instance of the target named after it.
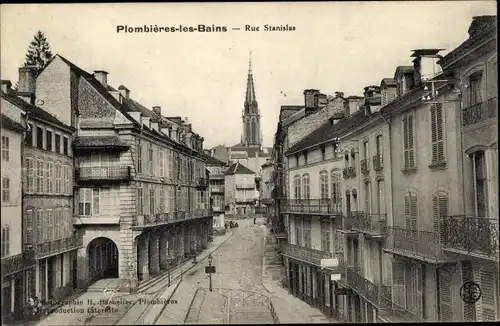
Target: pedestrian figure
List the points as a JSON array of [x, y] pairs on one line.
[[254, 219]]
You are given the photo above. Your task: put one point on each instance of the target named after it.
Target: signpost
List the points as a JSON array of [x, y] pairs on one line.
[[210, 270], [331, 263]]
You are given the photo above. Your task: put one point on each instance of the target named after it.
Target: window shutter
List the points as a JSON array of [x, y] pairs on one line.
[[439, 132], [398, 283], [467, 275], [445, 296], [39, 227], [411, 147], [492, 80], [488, 301], [405, 143], [413, 209], [434, 137], [417, 288], [407, 211]]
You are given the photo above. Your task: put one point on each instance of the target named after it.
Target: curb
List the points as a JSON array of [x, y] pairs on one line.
[[264, 265], [155, 318]]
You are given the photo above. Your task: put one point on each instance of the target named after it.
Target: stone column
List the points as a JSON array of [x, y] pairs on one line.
[[164, 254], [66, 268], [180, 239], [154, 260], [143, 259]]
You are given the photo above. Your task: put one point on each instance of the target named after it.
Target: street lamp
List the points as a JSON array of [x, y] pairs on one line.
[[210, 270]]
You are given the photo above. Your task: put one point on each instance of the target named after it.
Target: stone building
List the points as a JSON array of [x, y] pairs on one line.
[[18, 263], [216, 169], [140, 194], [239, 190]]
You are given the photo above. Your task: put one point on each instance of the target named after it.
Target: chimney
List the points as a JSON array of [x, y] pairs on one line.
[[124, 91], [173, 133], [320, 100], [157, 111], [27, 84], [309, 97], [6, 86], [425, 64], [102, 77], [388, 91]]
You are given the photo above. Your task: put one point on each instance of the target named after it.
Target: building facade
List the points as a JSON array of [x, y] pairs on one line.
[[240, 191], [267, 188], [18, 264], [141, 198], [217, 171]]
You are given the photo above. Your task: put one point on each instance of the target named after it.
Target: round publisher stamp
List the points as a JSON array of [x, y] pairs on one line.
[[470, 292]]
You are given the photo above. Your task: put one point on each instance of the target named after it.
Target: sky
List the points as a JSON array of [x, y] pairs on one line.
[[336, 46]]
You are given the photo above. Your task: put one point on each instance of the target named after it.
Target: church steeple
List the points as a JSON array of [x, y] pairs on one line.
[[251, 114]]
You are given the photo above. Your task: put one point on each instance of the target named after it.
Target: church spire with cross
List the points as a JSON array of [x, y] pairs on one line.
[[251, 114]]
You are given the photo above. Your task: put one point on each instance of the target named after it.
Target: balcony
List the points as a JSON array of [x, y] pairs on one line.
[[479, 112], [167, 218], [378, 162], [362, 286], [217, 189], [371, 224], [246, 186], [476, 236], [364, 167], [312, 206], [392, 312], [416, 244], [202, 184], [267, 201], [241, 200], [17, 263], [349, 172], [58, 246], [103, 174], [308, 255]]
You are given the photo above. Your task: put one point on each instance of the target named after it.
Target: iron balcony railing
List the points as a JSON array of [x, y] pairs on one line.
[[378, 162], [318, 206], [390, 310], [475, 235], [104, 173], [309, 255], [17, 263], [245, 186], [365, 222], [267, 201], [217, 189], [362, 286], [480, 112], [349, 172], [239, 200], [57, 246], [414, 243], [364, 166], [172, 217]]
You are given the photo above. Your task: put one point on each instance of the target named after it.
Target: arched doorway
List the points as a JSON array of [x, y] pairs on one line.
[[102, 256]]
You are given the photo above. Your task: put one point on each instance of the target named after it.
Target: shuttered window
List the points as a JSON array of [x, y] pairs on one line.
[[39, 176], [480, 180], [368, 198], [5, 240], [298, 231], [381, 196], [28, 228], [398, 283], [323, 184], [492, 79], [411, 211], [306, 186], [445, 296], [487, 304], [437, 133], [408, 142], [296, 185], [335, 188], [440, 212], [417, 289], [474, 88], [467, 276], [325, 235], [51, 225], [307, 233]]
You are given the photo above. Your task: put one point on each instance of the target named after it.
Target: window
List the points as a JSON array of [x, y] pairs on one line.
[[411, 211], [163, 200], [437, 133], [296, 185], [39, 176], [298, 231], [58, 224], [29, 135], [346, 160], [381, 196], [58, 178], [89, 202], [162, 163], [39, 137], [139, 156], [5, 148], [365, 149], [305, 184], [307, 233], [440, 212], [325, 236], [151, 200], [296, 159], [323, 151], [150, 159], [48, 135], [336, 195], [323, 184], [479, 177], [170, 164], [50, 225], [49, 177], [28, 228], [379, 144], [5, 240], [65, 145], [5, 190], [39, 226], [474, 89], [305, 158], [368, 198], [66, 179], [408, 142], [140, 203], [57, 143], [30, 174]]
